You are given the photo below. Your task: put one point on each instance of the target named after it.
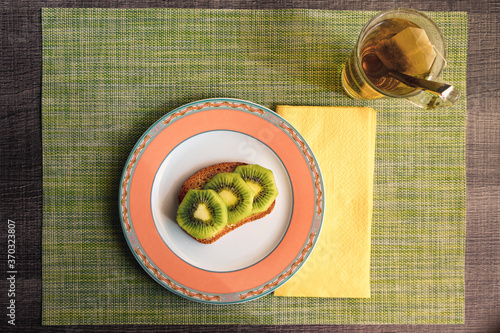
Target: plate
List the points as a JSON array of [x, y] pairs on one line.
[[251, 261]]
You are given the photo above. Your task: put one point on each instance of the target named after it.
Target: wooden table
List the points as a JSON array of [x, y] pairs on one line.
[[21, 156]]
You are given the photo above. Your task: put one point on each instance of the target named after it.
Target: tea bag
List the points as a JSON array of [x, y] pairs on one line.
[[409, 52]]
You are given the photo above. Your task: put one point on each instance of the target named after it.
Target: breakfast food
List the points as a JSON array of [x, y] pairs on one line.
[[261, 181], [202, 213], [246, 193], [235, 193]]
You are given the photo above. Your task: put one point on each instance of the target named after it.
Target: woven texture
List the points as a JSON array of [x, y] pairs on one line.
[[108, 74]]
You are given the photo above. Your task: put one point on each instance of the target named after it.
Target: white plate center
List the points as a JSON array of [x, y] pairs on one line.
[[242, 247]]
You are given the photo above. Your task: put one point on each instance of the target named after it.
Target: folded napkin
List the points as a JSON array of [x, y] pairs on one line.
[[343, 141]]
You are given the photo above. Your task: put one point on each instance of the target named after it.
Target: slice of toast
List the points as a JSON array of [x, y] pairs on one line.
[[199, 179]]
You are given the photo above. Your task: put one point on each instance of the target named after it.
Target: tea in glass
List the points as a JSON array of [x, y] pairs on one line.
[[399, 40]]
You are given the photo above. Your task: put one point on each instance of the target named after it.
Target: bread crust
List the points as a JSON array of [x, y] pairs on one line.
[[200, 178]]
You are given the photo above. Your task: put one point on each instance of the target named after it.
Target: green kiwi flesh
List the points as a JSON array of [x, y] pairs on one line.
[[235, 192], [202, 213], [262, 182]]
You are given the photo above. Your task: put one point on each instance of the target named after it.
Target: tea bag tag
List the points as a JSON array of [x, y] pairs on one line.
[[409, 52]]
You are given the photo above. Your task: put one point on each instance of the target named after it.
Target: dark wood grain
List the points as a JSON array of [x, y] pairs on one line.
[[21, 158]]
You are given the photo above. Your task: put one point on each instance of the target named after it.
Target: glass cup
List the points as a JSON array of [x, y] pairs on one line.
[[399, 54]]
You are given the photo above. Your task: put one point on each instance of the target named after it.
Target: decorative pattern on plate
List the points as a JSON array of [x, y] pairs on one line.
[[171, 284], [126, 180], [128, 224], [286, 275], [312, 163]]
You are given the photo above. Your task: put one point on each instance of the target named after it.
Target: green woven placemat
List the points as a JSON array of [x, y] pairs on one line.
[[108, 74]]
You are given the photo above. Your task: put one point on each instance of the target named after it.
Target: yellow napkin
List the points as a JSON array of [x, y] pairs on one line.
[[343, 141]]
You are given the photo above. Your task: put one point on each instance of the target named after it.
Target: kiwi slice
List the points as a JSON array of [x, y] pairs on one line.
[[202, 213], [237, 195], [262, 182]]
